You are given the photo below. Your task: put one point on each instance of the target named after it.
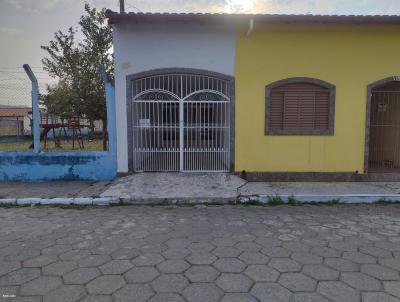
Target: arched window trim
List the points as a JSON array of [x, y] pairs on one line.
[[332, 95]]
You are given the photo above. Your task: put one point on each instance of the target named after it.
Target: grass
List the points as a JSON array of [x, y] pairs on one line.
[[23, 145]]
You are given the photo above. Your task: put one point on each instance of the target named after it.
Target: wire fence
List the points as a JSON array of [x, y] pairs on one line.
[[59, 131]]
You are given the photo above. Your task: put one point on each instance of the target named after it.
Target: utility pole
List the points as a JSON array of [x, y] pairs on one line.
[[122, 6]]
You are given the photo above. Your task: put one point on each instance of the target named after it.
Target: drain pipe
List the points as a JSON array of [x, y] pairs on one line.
[[122, 6], [251, 27]]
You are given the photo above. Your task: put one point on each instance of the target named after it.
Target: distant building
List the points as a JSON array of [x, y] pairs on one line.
[[15, 120]]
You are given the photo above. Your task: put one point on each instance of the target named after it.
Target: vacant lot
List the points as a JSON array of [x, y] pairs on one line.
[[226, 253]]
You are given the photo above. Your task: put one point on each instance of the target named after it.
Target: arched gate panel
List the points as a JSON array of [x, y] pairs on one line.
[[181, 122]]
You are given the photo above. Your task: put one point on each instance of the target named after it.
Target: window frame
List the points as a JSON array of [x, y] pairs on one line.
[[331, 115]]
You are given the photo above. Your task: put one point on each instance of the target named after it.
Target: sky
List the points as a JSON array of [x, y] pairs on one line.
[[27, 24]]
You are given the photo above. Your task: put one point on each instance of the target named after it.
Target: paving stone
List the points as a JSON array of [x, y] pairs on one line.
[[133, 293], [359, 257], [390, 262], [276, 252], [297, 282], [166, 297], [361, 281], [173, 266], [59, 268], [343, 265], [262, 273], [23, 255], [57, 249], [93, 260], [223, 241], [66, 293], [374, 251], [105, 285], [40, 286], [74, 255], [176, 253], [147, 259], [380, 272], [81, 275], [270, 292], [253, 258], [238, 297], [234, 283], [201, 292], [229, 265], [141, 274], [20, 276], [177, 242], [201, 273], [296, 246], [306, 258], [116, 267], [326, 252], [338, 291], [125, 253], [320, 272], [285, 265], [8, 266], [248, 246], [201, 258], [226, 252], [201, 247], [381, 297], [308, 297], [39, 261], [169, 283], [392, 287], [97, 298]]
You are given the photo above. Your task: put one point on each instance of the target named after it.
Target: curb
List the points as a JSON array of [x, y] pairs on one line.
[[341, 198], [100, 201]]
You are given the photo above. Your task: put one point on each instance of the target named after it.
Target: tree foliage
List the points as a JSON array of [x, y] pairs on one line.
[[80, 90]]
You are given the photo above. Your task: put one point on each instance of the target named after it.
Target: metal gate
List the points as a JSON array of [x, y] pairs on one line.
[[384, 143], [181, 122]]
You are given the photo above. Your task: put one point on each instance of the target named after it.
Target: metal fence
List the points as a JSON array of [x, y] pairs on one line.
[[15, 110], [59, 131]]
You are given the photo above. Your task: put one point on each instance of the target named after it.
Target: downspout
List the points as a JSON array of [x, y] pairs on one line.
[[251, 27]]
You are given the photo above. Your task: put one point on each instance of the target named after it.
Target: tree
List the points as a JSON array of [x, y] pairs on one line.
[[80, 91]]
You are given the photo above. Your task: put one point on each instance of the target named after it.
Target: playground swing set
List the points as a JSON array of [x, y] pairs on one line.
[[60, 129]]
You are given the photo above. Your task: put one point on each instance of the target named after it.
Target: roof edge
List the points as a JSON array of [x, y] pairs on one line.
[[115, 17]]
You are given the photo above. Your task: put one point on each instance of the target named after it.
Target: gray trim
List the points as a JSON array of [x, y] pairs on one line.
[[161, 71], [332, 95], [370, 89]]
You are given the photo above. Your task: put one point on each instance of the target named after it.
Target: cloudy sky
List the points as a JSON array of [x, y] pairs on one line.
[[27, 24]]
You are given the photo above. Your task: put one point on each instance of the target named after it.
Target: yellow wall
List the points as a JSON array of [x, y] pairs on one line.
[[348, 56]]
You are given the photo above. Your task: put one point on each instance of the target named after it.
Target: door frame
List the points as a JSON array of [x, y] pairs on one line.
[[370, 89], [162, 71]]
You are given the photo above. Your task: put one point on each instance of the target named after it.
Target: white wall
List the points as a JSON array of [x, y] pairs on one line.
[[145, 46]]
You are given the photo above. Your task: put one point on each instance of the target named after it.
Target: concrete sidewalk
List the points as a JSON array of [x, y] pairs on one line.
[[159, 188]]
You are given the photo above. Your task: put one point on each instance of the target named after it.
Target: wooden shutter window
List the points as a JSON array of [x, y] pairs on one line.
[[299, 108]]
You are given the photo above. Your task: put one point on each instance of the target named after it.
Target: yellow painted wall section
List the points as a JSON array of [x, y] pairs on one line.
[[348, 56]]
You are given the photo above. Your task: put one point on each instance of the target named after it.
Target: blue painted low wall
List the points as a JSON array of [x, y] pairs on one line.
[[30, 166]]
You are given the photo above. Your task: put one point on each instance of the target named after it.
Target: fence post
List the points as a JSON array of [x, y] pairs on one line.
[[110, 103], [35, 108]]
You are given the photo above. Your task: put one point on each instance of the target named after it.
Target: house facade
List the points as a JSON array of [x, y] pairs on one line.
[[266, 95]]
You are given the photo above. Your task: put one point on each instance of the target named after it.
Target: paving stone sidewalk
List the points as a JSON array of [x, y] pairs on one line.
[[340, 253]]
